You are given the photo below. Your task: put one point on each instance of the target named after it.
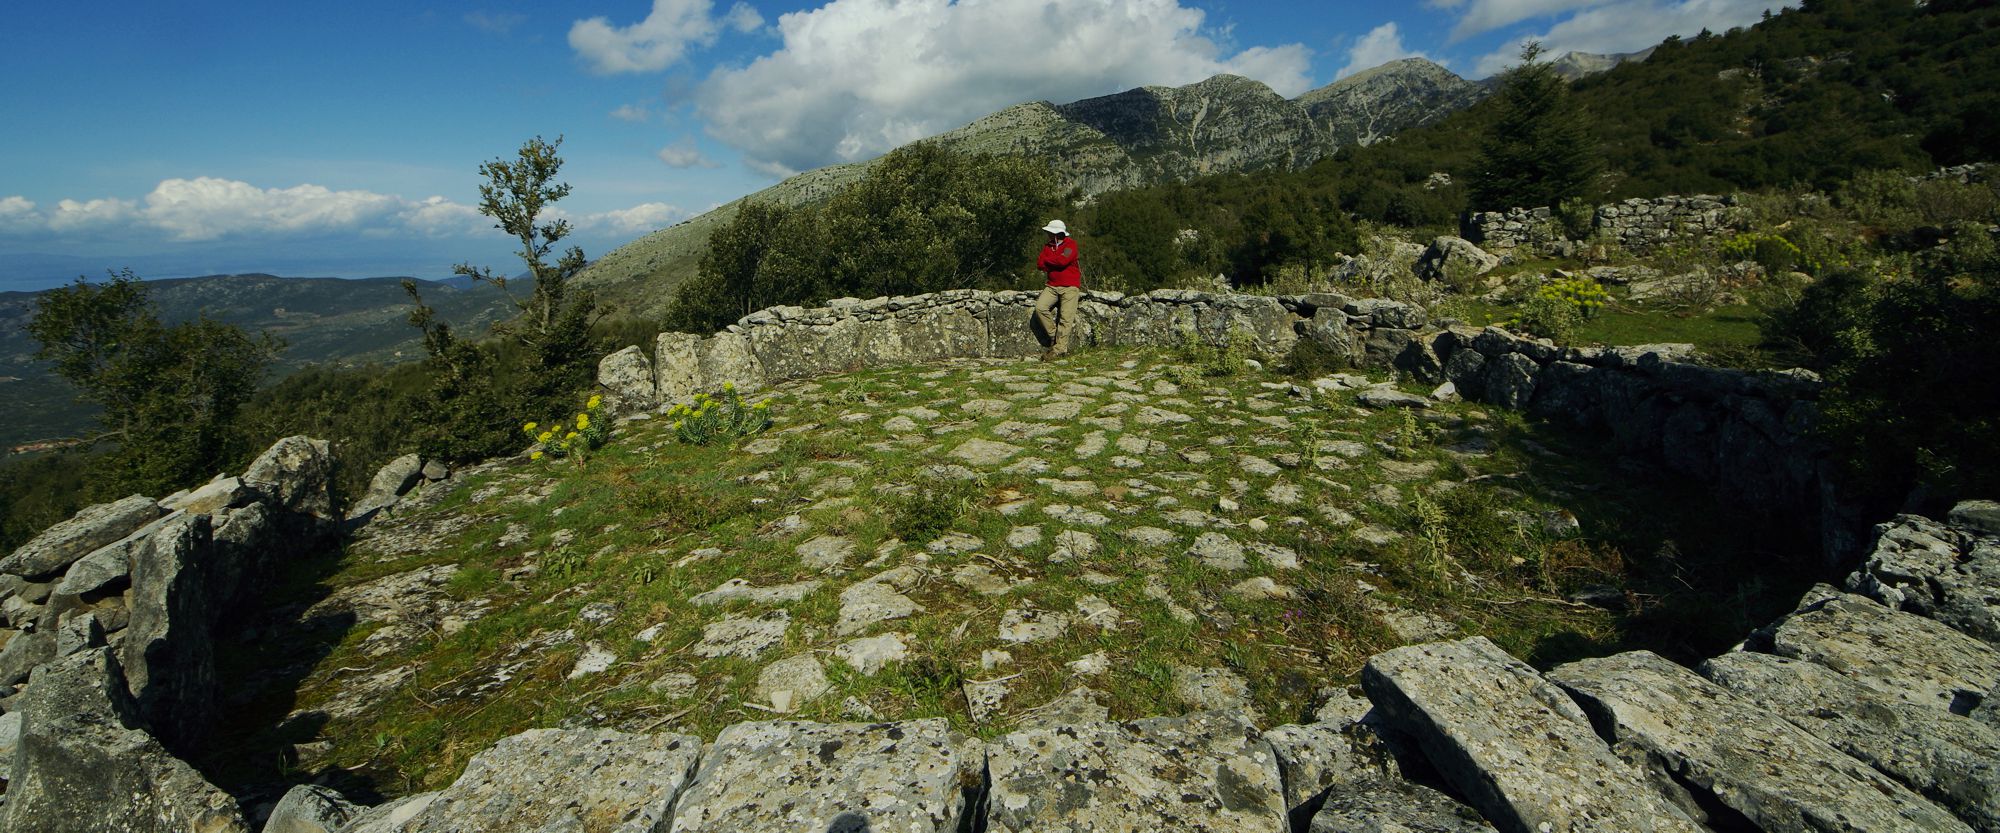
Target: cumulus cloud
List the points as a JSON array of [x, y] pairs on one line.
[[17, 213], [1632, 25], [205, 208], [684, 154], [659, 40], [1487, 15], [855, 78], [1381, 45], [632, 113], [742, 18], [87, 215], [638, 219]]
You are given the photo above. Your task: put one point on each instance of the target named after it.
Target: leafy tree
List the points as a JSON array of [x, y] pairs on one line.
[[170, 394], [1540, 150], [555, 319]]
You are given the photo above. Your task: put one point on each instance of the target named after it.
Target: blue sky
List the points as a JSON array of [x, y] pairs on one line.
[[344, 139]]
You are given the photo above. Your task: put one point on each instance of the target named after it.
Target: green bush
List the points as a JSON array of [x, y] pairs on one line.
[[921, 515], [724, 418], [1310, 359]]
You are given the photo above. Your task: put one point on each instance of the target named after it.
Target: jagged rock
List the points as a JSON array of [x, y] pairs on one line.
[[168, 649], [59, 546], [1781, 777], [22, 654], [1901, 654], [906, 777], [1330, 330], [826, 552], [1317, 757], [983, 698], [1952, 760], [1454, 260], [390, 482], [1207, 771], [211, 497], [295, 473], [1392, 806], [10, 739], [676, 367], [107, 564], [79, 633], [1981, 517], [1073, 545], [1929, 569], [583, 780], [308, 808], [83, 766], [1511, 742], [1509, 380], [628, 375], [435, 470], [1025, 625]]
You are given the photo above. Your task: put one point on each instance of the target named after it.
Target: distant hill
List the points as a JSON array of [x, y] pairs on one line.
[[1574, 65], [329, 321], [1143, 136]]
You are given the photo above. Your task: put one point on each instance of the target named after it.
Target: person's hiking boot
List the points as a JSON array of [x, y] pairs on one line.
[[1048, 354]]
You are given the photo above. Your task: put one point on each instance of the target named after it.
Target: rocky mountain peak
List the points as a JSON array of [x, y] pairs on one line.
[[1369, 106]]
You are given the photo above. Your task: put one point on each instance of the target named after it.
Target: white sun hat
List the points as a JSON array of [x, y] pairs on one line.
[[1056, 227]]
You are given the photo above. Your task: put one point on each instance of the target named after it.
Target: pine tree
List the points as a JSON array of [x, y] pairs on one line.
[[1540, 151]]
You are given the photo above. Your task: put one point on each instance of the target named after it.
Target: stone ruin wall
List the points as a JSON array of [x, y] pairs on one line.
[[1638, 225], [1441, 736]]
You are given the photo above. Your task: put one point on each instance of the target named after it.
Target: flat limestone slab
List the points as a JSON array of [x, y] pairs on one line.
[[1208, 771], [1951, 760], [584, 780], [1778, 775], [1512, 742], [783, 776], [1393, 806], [1900, 654]]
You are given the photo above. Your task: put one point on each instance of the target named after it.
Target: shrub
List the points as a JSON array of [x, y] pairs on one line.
[[920, 516], [1548, 317], [1223, 358], [1310, 359], [719, 419], [574, 438], [1773, 253]]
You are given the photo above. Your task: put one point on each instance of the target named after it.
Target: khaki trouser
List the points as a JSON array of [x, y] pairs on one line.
[[1058, 327]]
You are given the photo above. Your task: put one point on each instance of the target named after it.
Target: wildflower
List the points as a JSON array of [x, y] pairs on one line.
[[582, 421], [569, 436], [729, 386], [545, 436], [535, 456], [594, 402], [762, 406], [530, 428]]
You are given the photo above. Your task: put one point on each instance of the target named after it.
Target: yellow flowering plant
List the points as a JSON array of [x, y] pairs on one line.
[[560, 441], [722, 418]]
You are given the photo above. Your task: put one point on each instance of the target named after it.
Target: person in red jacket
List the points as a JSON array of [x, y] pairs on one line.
[[1055, 310]]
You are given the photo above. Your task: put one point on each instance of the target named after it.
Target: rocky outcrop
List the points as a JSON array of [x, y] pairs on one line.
[[59, 546], [1454, 260], [909, 776], [1204, 771], [1374, 104], [84, 763], [1933, 570]]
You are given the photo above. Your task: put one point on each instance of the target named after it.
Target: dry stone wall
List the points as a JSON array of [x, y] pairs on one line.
[[1639, 225]]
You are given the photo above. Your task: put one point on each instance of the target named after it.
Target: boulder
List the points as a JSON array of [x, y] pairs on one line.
[[1951, 760], [1328, 328], [909, 777], [628, 375], [1207, 771], [388, 486], [1390, 806], [83, 766], [1386, 397], [1979, 517], [108, 564], [1314, 758], [1511, 742], [57, 547], [1454, 260], [308, 808], [1509, 380], [295, 473], [582, 780], [725, 358], [1779, 776], [676, 367], [1903, 655], [1382, 313], [167, 651], [211, 497], [22, 654], [1935, 571]]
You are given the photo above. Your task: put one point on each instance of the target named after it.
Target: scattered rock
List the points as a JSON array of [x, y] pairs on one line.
[[595, 659], [1093, 610], [1078, 705], [737, 589], [1385, 398], [1027, 625], [1208, 771], [1023, 537], [792, 682], [1151, 536], [879, 599], [1211, 688], [983, 698], [1260, 589], [561, 779], [826, 553], [1219, 551], [749, 638], [985, 453], [871, 654]]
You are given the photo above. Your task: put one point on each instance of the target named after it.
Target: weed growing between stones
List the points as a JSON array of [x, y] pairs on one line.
[[723, 419]]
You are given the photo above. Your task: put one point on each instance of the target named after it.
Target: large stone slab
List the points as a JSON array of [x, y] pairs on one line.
[[83, 766], [1936, 571], [905, 777], [57, 547], [1208, 771], [168, 649], [676, 367], [1901, 654], [1781, 777], [580, 780], [296, 475], [1393, 806], [1518, 748], [1315, 758], [1951, 760]]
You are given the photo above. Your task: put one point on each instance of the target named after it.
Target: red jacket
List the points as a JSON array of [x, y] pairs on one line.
[[1059, 260]]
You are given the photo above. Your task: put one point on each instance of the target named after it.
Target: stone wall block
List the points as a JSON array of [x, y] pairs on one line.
[[725, 358], [627, 376], [677, 367]]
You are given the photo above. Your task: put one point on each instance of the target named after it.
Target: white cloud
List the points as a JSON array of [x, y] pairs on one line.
[[855, 78], [742, 18], [1381, 45], [684, 154], [1487, 15], [205, 208], [632, 113], [1631, 25], [440, 217], [774, 170], [72, 215], [638, 219], [17, 213], [494, 23], [651, 44]]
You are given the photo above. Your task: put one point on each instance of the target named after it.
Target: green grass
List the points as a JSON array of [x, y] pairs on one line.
[[639, 508]]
